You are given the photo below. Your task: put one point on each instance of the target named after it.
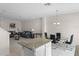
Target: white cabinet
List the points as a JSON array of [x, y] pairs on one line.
[[40, 51], [48, 49], [4, 42], [44, 50], [28, 52]]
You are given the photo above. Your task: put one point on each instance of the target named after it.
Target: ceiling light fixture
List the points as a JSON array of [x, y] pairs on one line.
[[47, 4], [57, 21]]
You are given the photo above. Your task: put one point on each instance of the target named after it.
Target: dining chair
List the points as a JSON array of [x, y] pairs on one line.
[[58, 36], [46, 36], [71, 40], [52, 37]]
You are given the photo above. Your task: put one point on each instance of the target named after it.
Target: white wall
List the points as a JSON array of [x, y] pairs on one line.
[[35, 24], [22, 25], [5, 24], [4, 42], [69, 25]]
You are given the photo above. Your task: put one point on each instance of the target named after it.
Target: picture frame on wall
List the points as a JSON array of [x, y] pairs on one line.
[[12, 25]]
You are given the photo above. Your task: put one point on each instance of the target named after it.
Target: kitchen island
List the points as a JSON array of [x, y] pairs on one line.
[[36, 47]]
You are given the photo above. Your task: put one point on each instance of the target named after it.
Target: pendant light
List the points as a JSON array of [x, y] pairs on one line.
[[57, 21]]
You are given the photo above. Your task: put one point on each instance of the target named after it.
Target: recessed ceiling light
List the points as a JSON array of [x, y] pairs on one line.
[[47, 4]]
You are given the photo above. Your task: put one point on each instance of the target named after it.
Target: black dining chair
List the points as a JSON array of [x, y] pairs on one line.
[[58, 36], [46, 35], [71, 40], [52, 37]]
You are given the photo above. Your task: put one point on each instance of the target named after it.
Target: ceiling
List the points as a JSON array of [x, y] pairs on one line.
[[26, 11]]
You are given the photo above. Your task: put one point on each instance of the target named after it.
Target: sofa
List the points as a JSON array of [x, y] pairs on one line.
[[26, 34]]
